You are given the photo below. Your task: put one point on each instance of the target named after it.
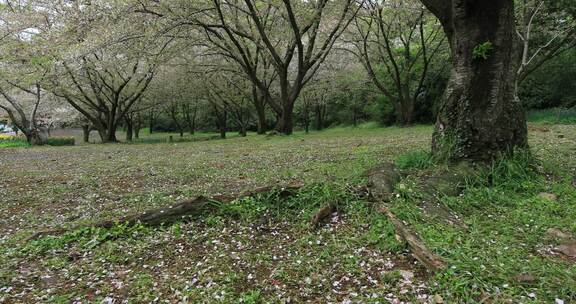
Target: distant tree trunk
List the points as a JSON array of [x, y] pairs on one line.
[[222, 124], [221, 120], [151, 121], [129, 129], [137, 126], [86, 133], [319, 113], [306, 118], [193, 121], [480, 117], [260, 106]]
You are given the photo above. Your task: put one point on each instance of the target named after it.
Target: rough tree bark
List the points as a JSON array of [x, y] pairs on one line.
[[480, 116]]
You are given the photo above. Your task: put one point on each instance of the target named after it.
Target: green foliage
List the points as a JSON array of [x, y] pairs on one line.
[[89, 237], [384, 111], [306, 202], [250, 297], [552, 85], [553, 116], [414, 160], [61, 141], [482, 50]]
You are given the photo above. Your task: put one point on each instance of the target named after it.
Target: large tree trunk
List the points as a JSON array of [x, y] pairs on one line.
[[405, 112], [129, 130], [36, 137], [285, 123], [260, 106], [86, 133], [480, 117], [108, 135]]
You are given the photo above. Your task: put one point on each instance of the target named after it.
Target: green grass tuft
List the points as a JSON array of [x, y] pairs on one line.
[[415, 160]]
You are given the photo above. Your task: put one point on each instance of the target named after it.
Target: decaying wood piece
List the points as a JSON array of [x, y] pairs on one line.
[[419, 250], [323, 213], [179, 211]]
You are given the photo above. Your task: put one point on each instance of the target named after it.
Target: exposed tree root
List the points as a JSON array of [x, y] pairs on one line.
[[322, 214], [382, 181], [430, 260], [179, 211]]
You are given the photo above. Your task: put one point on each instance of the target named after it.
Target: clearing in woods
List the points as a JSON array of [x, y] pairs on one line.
[[262, 249]]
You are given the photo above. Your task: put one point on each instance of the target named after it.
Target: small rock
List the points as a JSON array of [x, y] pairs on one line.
[[568, 249], [557, 233], [438, 299], [548, 196], [525, 278], [558, 301]]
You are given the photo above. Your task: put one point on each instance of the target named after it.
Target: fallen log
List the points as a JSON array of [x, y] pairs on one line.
[[188, 208], [430, 260]]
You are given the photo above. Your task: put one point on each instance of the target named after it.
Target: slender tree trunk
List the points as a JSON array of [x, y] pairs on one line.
[[307, 118], [151, 122], [192, 121], [319, 111], [480, 117]]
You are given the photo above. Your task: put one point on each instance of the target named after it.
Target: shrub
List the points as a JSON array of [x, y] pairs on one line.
[[61, 141], [553, 116], [11, 141]]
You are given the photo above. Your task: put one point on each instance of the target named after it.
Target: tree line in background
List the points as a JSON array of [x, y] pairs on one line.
[[254, 65]]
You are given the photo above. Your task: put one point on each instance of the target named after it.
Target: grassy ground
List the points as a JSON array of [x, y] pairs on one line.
[[261, 249]]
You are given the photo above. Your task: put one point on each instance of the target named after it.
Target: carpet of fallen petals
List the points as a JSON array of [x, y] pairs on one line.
[[216, 259]]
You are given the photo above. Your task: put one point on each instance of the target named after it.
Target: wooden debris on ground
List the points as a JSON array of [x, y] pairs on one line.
[[179, 211]]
